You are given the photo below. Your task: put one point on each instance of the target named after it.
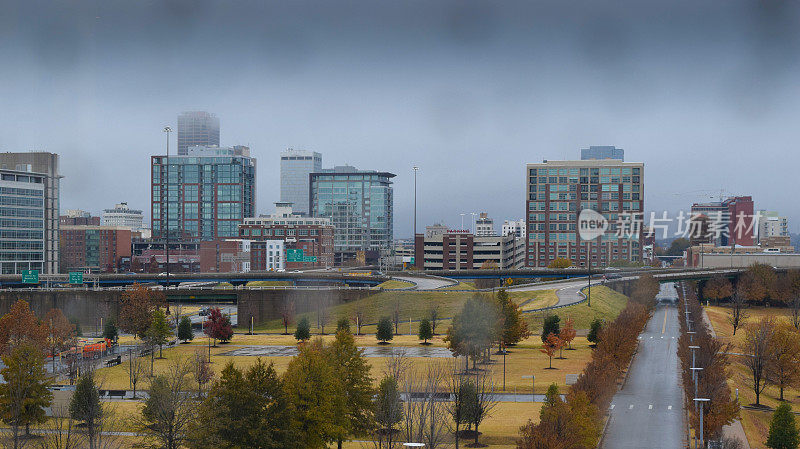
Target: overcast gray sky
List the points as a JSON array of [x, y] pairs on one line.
[[705, 93]]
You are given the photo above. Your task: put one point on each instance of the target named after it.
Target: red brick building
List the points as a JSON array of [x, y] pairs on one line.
[[93, 248], [313, 235], [225, 256]]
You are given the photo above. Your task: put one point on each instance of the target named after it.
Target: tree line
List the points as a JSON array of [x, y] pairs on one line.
[[711, 356], [575, 422]]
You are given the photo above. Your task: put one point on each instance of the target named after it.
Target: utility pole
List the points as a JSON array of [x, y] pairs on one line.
[[165, 195]]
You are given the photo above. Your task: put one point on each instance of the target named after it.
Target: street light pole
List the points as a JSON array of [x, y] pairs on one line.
[[165, 195], [414, 237], [700, 401]]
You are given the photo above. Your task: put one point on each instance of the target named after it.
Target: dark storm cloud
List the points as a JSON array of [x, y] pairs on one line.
[[469, 91]]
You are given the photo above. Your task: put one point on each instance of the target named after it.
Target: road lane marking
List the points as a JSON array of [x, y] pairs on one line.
[[664, 327], [650, 407]]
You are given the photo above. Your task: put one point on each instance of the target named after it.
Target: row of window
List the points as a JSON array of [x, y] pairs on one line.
[[18, 212], [585, 171], [23, 192]]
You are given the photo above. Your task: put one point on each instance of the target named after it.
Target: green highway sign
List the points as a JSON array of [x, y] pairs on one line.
[[76, 277], [294, 255], [30, 276], [312, 259]]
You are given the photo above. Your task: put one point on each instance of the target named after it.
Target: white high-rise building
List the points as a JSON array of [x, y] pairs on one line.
[[514, 227], [296, 165], [123, 216]]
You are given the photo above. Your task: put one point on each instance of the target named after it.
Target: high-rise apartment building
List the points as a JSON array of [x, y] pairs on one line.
[[123, 216], [197, 128], [360, 204], [296, 166], [602, 152], [208, 192], [557, 192], [29, 216]]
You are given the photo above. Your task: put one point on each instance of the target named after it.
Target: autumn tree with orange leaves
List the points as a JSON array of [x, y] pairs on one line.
[[551, 344], [568, 333], [136, 309], [60, 333], [19, 326]]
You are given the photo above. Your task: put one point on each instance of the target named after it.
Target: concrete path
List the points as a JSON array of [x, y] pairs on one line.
[[647, 412]]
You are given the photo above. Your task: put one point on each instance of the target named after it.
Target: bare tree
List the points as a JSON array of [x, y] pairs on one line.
[[287, 315], [359, 318], [168, 410], [434, 316], [485, 399], [201, 370], [794, 306], [759, 352], [59, 432], [323, 313], [396, 316], [738, 314], [426, 417], [137, 370], [398, 364]]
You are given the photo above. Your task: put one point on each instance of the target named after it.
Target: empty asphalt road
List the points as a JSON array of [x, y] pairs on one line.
[[647, 412]]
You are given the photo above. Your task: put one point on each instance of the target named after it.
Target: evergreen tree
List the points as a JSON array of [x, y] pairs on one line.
[[316, 394], [384, 333], [243, 410], [343, 324], [24, 395], [185, 330], [388, 407], [85, 406], [783, 429], [425, 331], [159, 331], [515, 328], [551, 326], [110, 331], [353, 370], [303, 332], [474, 329], [594, 331]]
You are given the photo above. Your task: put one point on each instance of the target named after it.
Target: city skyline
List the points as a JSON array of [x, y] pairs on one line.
[[342, 87]]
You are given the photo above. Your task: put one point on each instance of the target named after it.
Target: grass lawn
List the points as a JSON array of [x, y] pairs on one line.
[[755, 422], [460, 286], [269, 283], [606, 305], [396, 283]]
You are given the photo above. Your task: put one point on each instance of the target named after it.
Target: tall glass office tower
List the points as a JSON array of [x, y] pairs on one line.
[[197, 128], [29, 210], [296, 165], [209, 192], [360, 204]]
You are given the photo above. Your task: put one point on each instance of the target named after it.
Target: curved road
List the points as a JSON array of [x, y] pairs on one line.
[[568, 292], [425, 283]]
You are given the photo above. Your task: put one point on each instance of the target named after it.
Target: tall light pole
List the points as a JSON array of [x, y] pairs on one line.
[[474, 214], [462, 221], [700, 402], [165, 195], [415, 213]]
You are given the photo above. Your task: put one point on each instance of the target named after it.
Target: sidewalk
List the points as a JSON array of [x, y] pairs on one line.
[[734, 429]]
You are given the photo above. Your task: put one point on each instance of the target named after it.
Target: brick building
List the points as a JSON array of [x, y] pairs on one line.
[[732, 220], [90, 248], [312, 235]]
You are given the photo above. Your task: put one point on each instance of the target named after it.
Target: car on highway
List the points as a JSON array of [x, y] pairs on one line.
[[204, 311]]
